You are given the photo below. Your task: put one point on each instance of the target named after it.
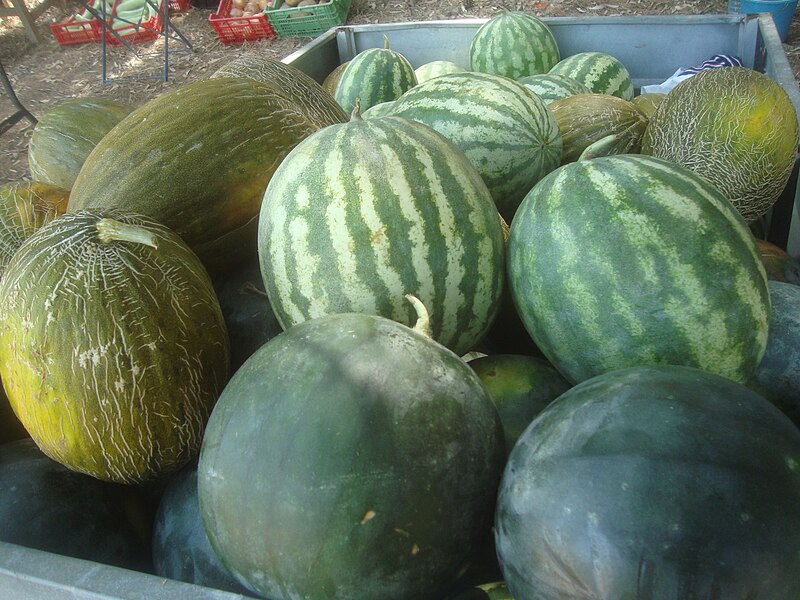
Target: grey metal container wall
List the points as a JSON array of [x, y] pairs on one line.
[[652, 48]]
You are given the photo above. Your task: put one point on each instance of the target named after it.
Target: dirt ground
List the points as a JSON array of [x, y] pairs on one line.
[[46, 73]]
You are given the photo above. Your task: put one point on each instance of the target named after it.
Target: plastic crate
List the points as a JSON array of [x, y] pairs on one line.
[[133, 33], [72, 31], [180, 6], [307, 21], [235, 30]]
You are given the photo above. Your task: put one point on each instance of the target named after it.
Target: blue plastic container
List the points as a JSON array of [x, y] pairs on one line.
[[782, 11]]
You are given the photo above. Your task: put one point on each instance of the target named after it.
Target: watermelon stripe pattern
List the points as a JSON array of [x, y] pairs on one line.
[[550, 87], [352, 222], [375, 75], [629, 260], [502, 127], [513, 44], [600, 72]]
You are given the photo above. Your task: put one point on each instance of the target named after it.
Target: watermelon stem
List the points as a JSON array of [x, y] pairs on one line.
[[110, 230], [423, 324], [356, 114]]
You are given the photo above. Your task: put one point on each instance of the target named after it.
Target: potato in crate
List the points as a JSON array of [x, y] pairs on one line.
[[307, 17], [238, 21]]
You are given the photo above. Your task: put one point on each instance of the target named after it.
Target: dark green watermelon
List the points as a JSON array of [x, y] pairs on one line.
[[654, 482], [180, 545], [521, 387], [44, 505], [350, 457], [778, 375]]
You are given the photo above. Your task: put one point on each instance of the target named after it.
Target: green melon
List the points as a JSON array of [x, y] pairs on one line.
[[503, 128], [628, 260], [65, 136], [197, 159], [602, 73], [350, 458], [435, 68], [653, 482], [375, 75], [513, 44], [331, 81], [734, 126], [647, 103], [362, 213], [113, 348], [307, 94], [24, 208], [585, 119], [549, 86]]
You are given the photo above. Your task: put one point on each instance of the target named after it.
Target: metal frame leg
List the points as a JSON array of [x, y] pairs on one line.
[[22, 112]]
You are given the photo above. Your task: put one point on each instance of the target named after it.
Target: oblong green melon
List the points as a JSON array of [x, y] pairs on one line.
[[197, 159], [602, 73], [513, 44], [296, 85], [24, 208], [628, 260], [113, 347], [734, 126], [65, 136], [503, 128], [362, 213], [585, 119]]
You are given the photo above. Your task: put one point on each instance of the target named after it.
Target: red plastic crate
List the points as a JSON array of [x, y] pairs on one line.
[[133, 33], [235, 30], [180, 5], [71, 31]]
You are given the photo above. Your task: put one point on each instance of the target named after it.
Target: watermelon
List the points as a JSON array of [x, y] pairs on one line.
[[181, 549], [734, 126], [627, 260], [375, 75], [653, 482], [360, 214], [432, 69], [602, 73], [521, 387], [503, 128], [350, 457], [46, 506], [513, 44], [778, 374], [549, 86]]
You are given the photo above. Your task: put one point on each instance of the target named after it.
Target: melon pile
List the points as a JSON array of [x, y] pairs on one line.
[[491, 327]]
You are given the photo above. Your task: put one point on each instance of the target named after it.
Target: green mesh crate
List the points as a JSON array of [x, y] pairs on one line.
[[307, 21]]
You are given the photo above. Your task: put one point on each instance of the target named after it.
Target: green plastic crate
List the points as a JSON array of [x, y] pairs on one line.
[[307, 21]]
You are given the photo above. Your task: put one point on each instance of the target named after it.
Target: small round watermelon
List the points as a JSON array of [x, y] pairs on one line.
[[513, 44], [602, 73]]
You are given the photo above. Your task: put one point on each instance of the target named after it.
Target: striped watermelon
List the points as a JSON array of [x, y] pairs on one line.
[[513, 44], [364, 212], [550, 87], [435, 68], [504, 129], [373, 76], [600, 72], [629, 260]]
